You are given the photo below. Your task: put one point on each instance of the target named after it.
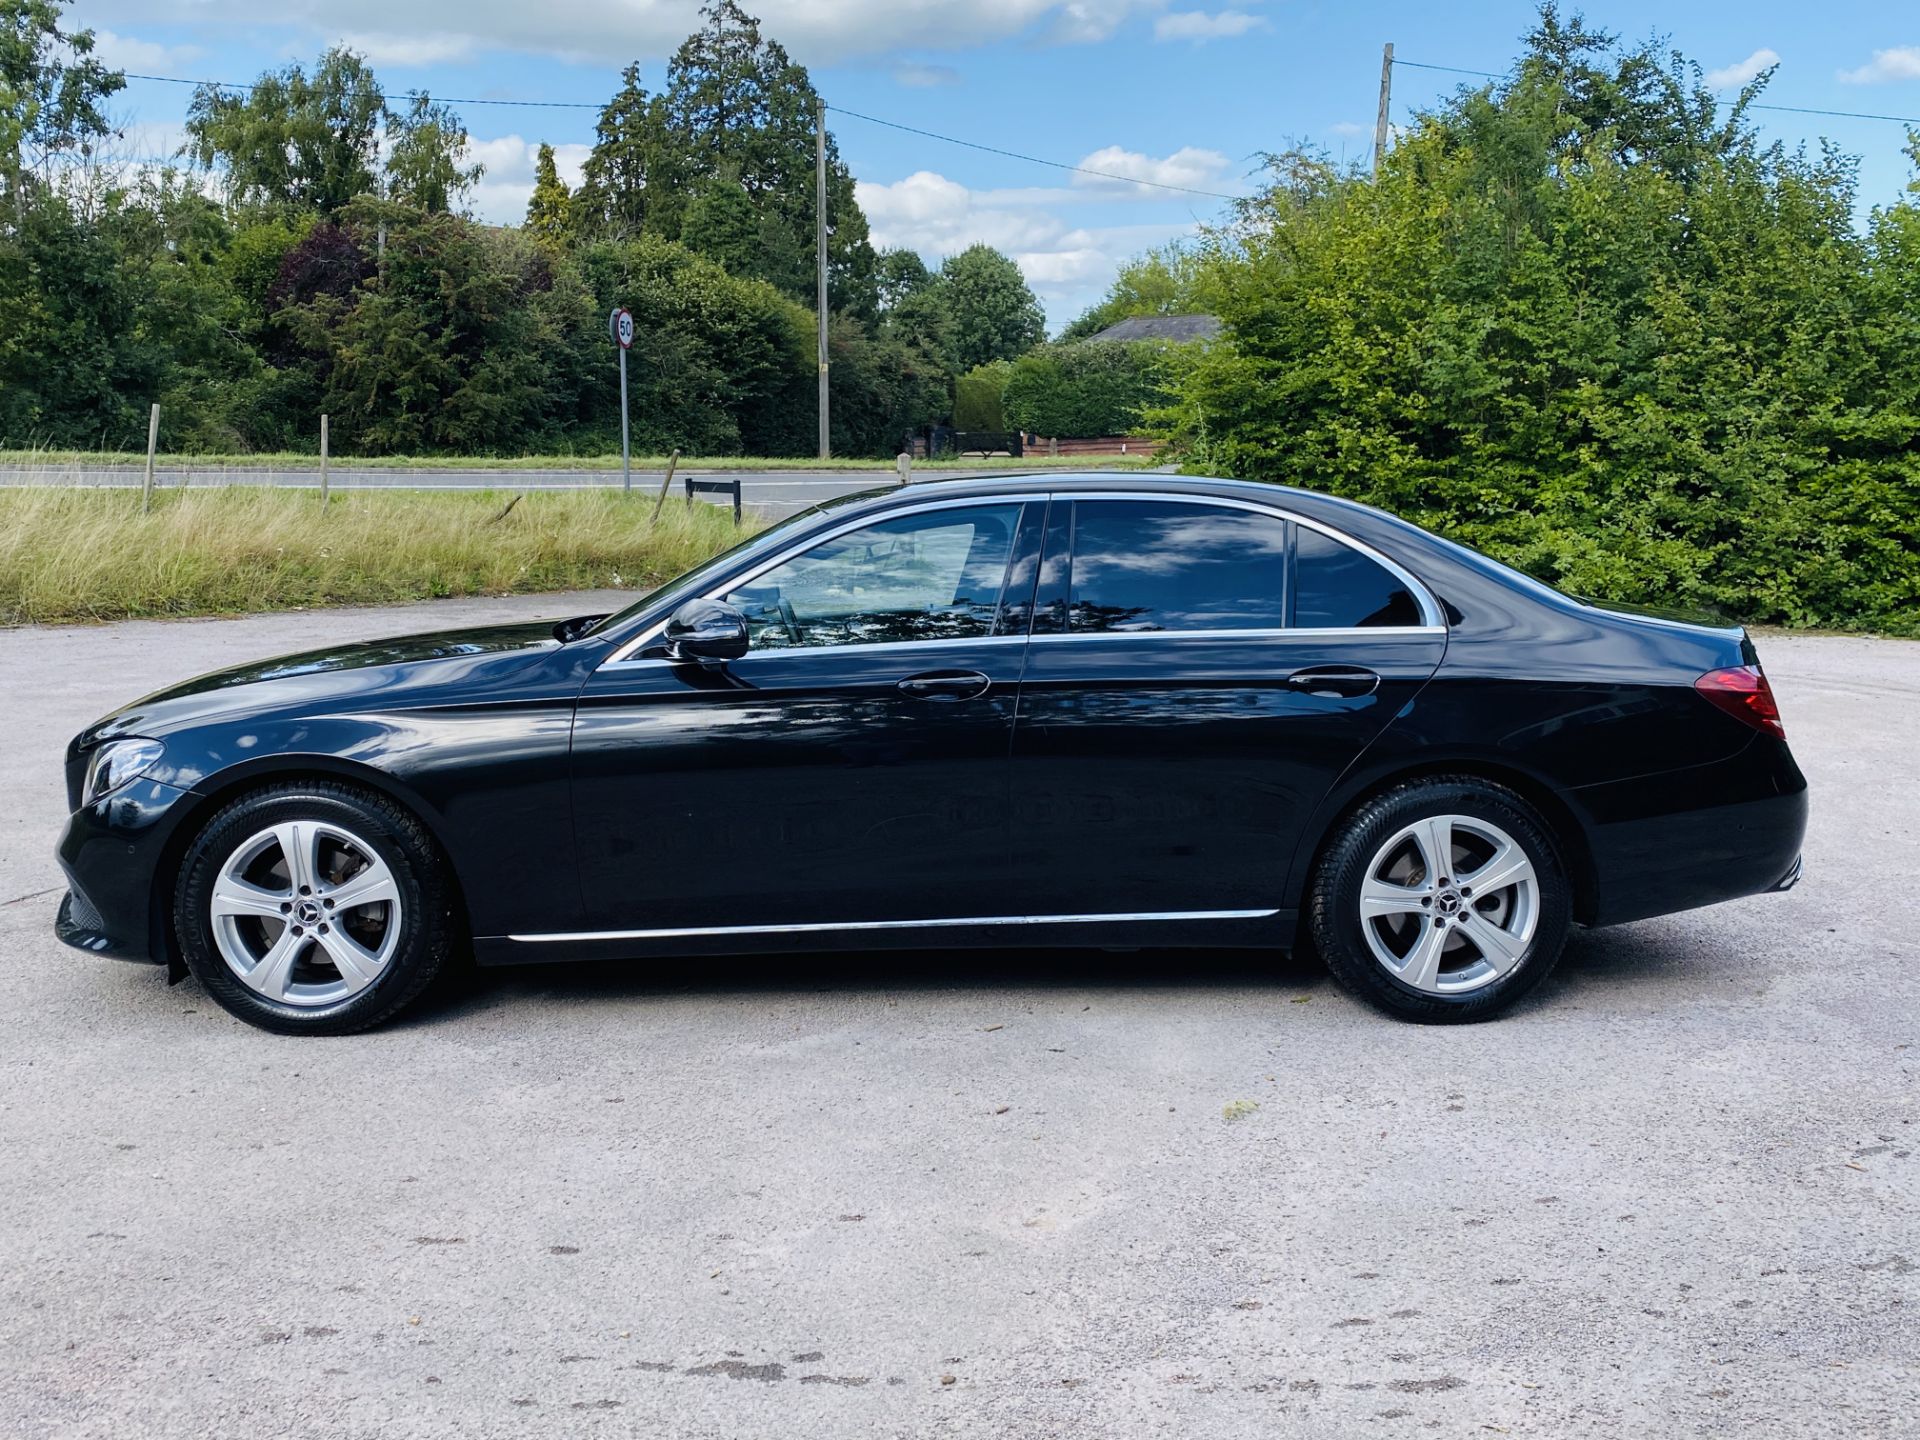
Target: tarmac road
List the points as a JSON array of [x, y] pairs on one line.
[[947, 1196]]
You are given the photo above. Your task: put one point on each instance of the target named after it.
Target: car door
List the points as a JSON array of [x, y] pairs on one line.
[[1200, 673], [851, 769]]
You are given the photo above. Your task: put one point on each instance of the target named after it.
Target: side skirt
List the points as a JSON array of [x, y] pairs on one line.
[[1232, 929]]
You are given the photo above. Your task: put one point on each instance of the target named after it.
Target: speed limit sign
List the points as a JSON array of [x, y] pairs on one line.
[[620, 326]]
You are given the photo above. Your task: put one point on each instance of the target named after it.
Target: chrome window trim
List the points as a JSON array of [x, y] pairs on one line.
[[1435, 622], [747, 577], [881, 647], [1267, 632], [695, 932]]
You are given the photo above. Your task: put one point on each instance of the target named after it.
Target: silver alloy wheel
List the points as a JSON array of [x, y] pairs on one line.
[[1449, 904], [306, 913]]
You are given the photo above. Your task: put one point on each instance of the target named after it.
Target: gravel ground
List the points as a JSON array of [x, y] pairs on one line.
[[938, 1195]]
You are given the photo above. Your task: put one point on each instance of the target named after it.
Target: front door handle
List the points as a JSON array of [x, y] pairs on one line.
[[1347, 681], [946, 685]]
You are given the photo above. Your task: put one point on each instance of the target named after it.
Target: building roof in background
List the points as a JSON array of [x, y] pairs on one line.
[[1177, 329]]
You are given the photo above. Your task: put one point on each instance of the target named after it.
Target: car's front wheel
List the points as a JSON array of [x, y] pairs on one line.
[[312, 909], [1441, 900]]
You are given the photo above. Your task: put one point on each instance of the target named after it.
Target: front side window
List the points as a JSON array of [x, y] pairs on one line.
[[936, 575], [1151, 565], [1337, 588]]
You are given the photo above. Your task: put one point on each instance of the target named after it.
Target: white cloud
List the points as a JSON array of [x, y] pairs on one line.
[[1732, 77], [1199, 27], [385, 47], [1188, 167], [1349, 129], [501, 196], [938, 216], [1900, 63], [594, 31], [1067, 265], [149, 143], [148, 57]]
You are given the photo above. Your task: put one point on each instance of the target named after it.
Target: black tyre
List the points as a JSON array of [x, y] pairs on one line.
[[313, 909], [1441, 900]]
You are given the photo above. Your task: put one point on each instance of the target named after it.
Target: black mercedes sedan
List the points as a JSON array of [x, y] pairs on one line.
[[1022, 710]]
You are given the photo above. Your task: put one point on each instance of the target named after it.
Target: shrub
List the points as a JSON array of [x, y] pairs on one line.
[[1086, 389]]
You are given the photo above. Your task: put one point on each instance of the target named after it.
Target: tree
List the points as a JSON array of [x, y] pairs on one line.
[[612, 201], [51, 91], [737, 106], [1167, 281], [721, 224], [304, 142], [994, 314], [550, 207], [427, 156], [899, 275]]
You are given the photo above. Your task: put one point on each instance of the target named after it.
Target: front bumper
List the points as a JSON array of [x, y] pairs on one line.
[[111, 852]]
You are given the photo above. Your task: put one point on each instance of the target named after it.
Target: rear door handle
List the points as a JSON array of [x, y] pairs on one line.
[[946, 685], [1347, 681]]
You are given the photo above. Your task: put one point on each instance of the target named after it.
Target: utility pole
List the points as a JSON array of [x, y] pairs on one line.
[[1386, 106], [820, 257]]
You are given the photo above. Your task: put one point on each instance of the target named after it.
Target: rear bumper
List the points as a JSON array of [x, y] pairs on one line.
[[1694, 837], [111, 852]]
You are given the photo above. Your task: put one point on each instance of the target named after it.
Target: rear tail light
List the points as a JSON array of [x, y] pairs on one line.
[[1742, 691]]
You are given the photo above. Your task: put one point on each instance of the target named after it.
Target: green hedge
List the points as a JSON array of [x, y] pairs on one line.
[[1646, 361], [1083, 390]]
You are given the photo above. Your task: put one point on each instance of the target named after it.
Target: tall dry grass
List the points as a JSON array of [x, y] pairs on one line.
[[89, 554]]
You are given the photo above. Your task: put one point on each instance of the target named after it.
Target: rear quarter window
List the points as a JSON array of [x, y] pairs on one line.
[[1338, 588]]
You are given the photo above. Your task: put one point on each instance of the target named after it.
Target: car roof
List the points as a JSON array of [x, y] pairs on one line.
[[1328, 509]]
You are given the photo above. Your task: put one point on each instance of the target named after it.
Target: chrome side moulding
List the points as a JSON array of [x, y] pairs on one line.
[[850, 925]]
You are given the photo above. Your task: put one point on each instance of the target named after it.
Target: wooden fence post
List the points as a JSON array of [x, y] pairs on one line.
[[153, 439], [673, 460]]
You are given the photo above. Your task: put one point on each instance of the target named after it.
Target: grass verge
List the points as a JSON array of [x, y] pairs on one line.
[[56, 461], [89, 554]]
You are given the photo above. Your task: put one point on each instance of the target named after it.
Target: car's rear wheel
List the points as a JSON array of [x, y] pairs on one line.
[[1441, 900], [312, 909]]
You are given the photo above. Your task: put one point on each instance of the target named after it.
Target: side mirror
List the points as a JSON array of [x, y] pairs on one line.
[[708, 632]]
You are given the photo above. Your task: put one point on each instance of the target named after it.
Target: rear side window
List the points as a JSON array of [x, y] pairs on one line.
[[1147, 565], [1338, 588]]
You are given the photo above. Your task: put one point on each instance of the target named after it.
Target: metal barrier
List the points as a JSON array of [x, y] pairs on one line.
[[716, 487]]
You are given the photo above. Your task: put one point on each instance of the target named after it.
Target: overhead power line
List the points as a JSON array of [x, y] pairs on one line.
[[1843, 114], [852, 114], [1781, 109], [1034, 159]]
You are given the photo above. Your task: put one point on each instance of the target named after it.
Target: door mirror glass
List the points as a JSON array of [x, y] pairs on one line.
[[706, 631]]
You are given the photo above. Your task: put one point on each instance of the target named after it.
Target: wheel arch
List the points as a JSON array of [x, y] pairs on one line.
[[1569, 827], [218, 790]]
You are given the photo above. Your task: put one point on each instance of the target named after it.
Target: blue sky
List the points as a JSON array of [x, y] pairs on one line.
[[1182, 91]]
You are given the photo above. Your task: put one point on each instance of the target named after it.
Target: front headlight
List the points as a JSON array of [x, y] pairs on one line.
[[116, 763]]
